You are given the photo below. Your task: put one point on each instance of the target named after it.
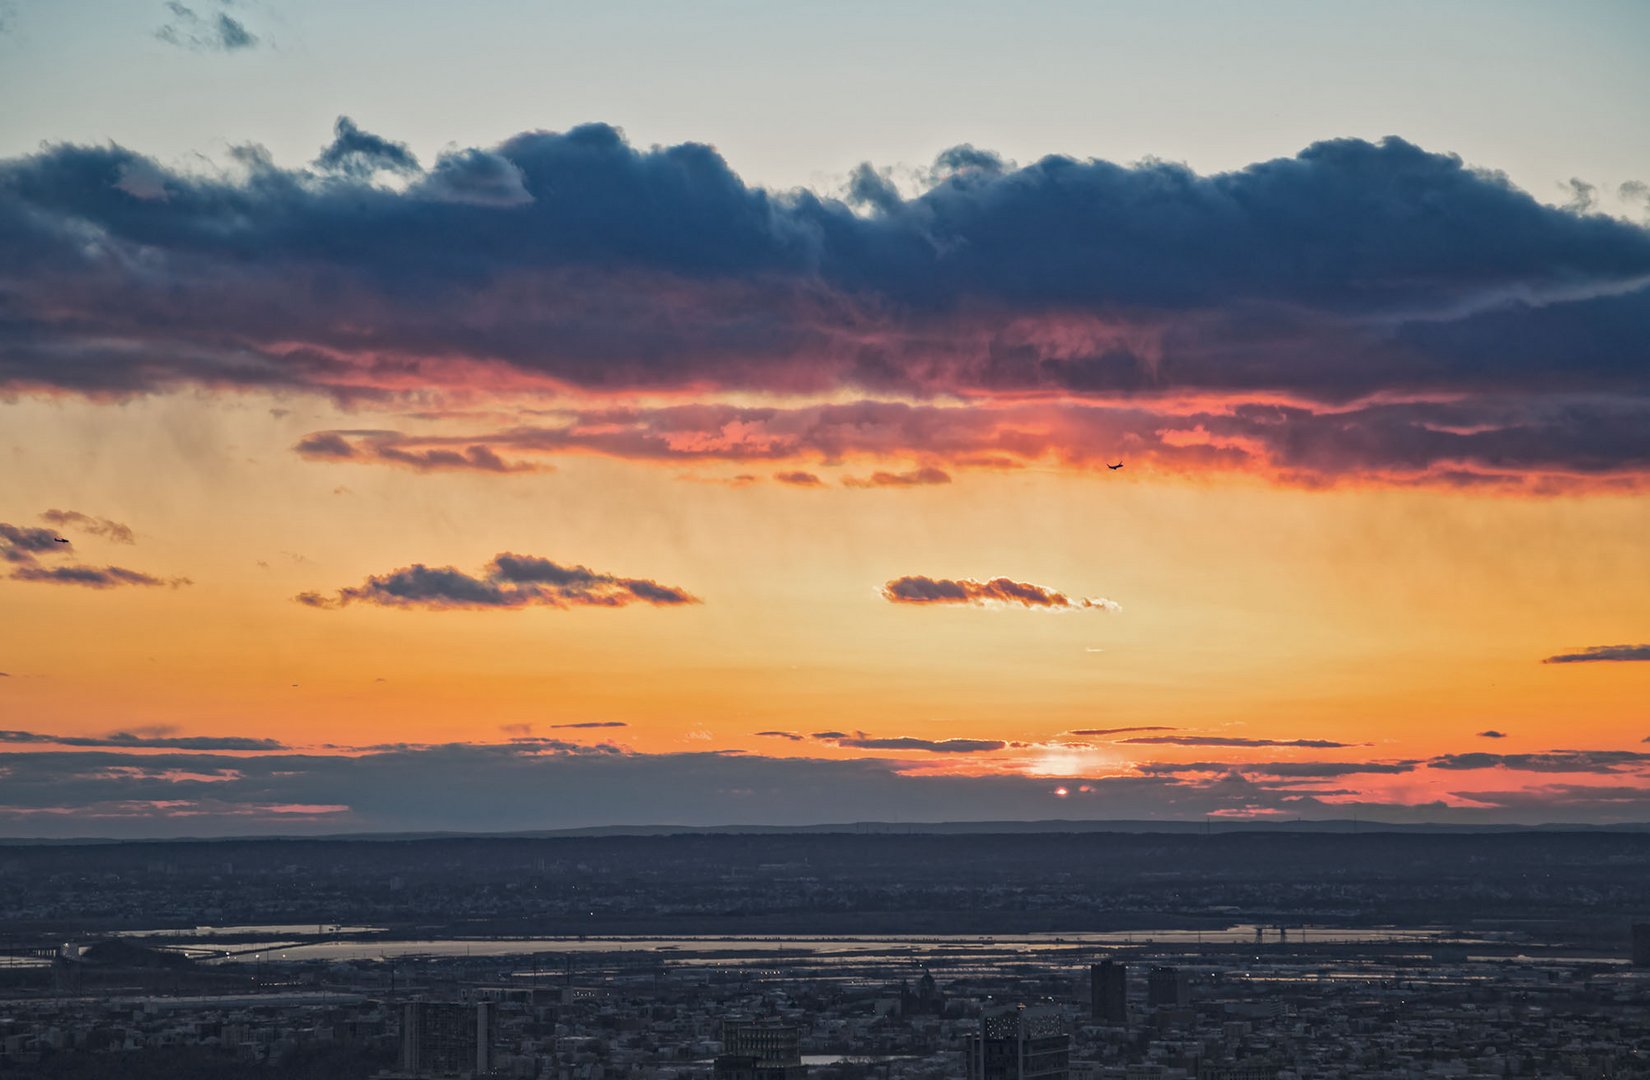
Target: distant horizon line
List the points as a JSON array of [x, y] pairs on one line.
[[1210, 826]]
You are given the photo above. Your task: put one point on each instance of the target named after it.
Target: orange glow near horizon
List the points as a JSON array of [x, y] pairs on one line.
[[1399, 623]]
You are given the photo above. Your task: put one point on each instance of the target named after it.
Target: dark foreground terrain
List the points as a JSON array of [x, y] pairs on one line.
[[1299, 956], [1580, 885]]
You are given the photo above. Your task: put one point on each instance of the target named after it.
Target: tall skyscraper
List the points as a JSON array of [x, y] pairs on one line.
[[446, 1039], [1020, 1043], [1109, 992]]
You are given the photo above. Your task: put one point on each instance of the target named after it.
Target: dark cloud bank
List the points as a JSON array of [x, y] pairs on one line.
[[543, 783], [1360, 309]]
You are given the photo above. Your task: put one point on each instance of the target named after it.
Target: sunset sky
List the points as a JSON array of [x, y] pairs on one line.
[[515, 416]]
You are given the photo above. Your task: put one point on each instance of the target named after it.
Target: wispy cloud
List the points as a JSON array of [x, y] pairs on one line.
[[215, 31], [923, 477], [96, 526]]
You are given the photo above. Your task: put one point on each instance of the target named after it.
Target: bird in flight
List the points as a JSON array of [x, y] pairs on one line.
[[1114, 468]]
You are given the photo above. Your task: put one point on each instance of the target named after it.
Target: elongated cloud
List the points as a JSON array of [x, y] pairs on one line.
[[92, 577], [1227, 740], [1489, 444], [1373, 311], [1565, 799], [1600, 654], [932, 746], [1308, 770], [378, 447], [137, 740], [859, 740], [509, 581], [1117, 730], [1562, 761], [925, 590]]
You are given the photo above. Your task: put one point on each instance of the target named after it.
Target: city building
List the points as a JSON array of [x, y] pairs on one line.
[[1109, 992], [925, 1000], [1166, 987], [1020, 1043], [760, 1050], [1641, 944], [447, 1039]]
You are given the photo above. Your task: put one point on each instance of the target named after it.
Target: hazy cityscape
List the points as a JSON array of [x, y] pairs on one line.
[[906, 956]]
